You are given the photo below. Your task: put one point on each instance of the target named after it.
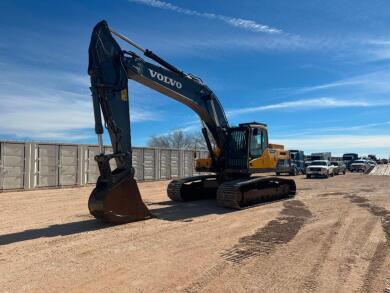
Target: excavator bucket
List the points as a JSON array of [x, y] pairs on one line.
[[119, 204]]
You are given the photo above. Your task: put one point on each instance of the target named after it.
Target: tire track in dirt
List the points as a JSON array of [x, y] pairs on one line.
[[383, 248], [310, 281], [374, 268], [206, 278], [359, 241], [279, 231], [375, 210], [327, 194]]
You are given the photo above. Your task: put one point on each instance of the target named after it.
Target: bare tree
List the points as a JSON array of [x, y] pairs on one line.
[[161, 141], [178, 139]]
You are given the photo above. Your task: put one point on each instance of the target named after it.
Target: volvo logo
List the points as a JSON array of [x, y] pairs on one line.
[[165, 79]]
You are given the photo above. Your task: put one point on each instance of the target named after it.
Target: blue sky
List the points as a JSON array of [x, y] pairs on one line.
[[317, 72]]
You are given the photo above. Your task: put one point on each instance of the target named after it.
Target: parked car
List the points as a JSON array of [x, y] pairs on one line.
[[385, 161], [360, 166], [339, 167], [320, 168]]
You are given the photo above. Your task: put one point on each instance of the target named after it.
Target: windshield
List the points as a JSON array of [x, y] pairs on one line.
[[334, 164], [318, 163]]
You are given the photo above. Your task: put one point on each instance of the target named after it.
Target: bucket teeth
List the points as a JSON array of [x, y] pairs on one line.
[[119, 204]]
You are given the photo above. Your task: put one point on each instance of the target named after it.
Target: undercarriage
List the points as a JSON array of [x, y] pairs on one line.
[[235, 194]]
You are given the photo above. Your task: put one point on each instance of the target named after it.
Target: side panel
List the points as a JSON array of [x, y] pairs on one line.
[[138, 165], [149, 164], [68, 165], [92, 170], [47, 165], [188, 163], [165, 164], [175, 164], [268, 160], [12, 164]]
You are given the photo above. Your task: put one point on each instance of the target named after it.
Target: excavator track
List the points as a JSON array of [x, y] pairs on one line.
[[192, 188], [240, 193]]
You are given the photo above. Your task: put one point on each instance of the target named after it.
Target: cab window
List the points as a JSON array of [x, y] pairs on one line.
[[258, 142]]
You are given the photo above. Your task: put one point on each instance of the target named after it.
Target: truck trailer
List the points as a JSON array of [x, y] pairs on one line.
[[321, 156]]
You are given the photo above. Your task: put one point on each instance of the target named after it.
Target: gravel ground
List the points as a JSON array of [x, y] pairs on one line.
[[334, 236]]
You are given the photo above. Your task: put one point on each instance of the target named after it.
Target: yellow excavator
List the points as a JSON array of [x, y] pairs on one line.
[[235, 152]]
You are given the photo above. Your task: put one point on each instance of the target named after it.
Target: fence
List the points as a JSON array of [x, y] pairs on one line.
[[29, 165]]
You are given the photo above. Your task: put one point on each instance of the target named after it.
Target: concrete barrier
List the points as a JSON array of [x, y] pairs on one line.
[[29, 165]]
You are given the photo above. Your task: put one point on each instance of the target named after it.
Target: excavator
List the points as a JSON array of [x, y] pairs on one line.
[[236, 153]]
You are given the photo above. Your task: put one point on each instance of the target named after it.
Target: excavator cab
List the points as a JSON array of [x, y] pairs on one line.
[[246, 151], [244, 142]]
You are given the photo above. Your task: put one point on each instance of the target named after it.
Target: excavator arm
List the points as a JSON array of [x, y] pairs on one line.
[[116, 197]]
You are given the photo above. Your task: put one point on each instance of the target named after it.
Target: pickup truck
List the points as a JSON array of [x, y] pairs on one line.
[[339, 167], [360, 166], [319, 168]]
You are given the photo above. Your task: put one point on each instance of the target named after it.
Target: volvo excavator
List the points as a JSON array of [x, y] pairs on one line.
[[235, 152]]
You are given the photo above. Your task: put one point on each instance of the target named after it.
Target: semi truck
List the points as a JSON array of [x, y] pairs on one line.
[[321, 156], [349, 158], [294, 165]]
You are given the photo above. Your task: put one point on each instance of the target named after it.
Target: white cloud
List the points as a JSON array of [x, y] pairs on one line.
[[377, 49], [50, 105], [323, 102], [351, 128], [49, 117], [375, 82], [338, 143], [342, 129], [233, 21]]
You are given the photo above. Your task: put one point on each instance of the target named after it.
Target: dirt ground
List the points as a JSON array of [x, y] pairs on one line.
[[334, 236]]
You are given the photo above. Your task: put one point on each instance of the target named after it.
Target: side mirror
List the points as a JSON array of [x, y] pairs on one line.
[[194, 155]]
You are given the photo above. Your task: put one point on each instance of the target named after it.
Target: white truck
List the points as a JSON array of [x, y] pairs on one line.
[[320, 168]]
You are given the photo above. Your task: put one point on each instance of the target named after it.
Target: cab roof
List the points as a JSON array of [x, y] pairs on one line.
[[253, 124]]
